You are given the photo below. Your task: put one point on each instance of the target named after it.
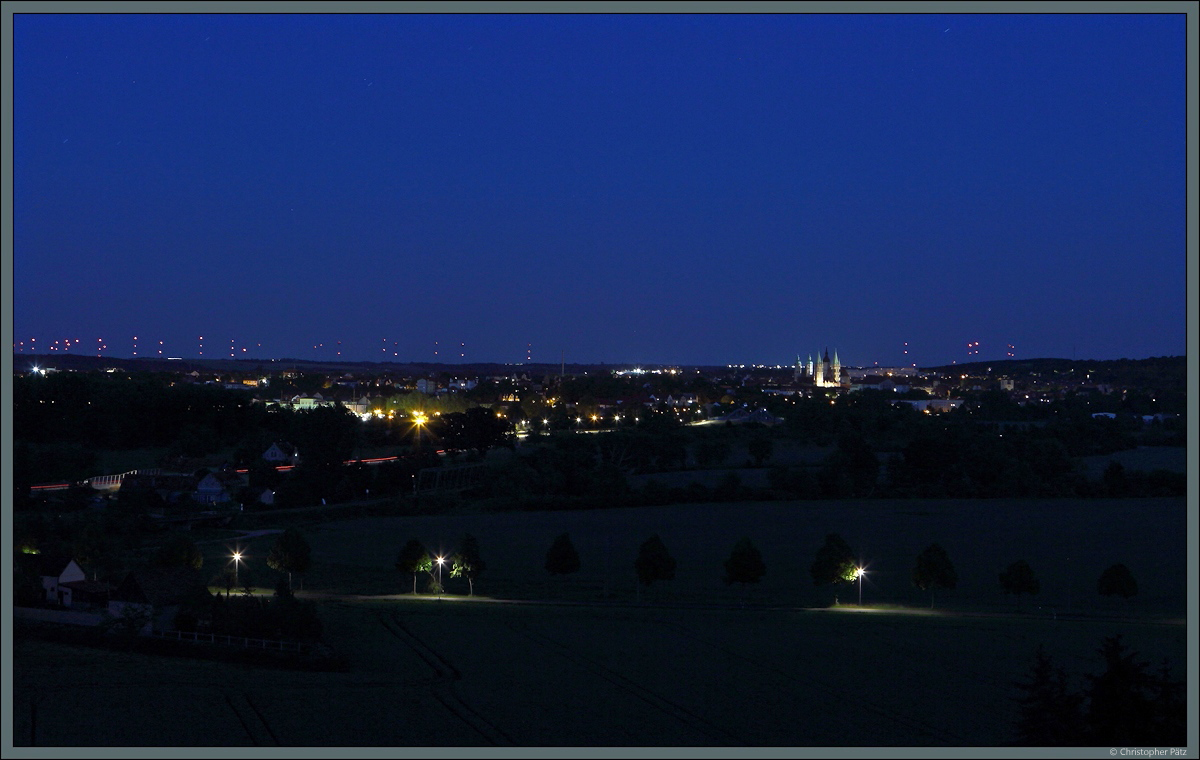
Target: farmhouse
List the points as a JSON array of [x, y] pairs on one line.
[[281, 452], [216, 486], [56, 572]]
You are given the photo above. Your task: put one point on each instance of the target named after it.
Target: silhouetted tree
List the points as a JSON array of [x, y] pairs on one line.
[[1117, 581], [414, 559], [934, 570], [834, 563], [466, 562], [1051, 714], [290, 554], [1115, 479], [654, 562], [745, 564], [562, 557], [1129, 706], [225, 579], [1019, 579]]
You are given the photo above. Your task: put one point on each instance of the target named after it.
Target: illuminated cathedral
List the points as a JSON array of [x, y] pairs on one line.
[[822, 373]]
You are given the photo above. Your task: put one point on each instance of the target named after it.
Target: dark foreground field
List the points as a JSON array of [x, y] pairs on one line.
[[687, 667]]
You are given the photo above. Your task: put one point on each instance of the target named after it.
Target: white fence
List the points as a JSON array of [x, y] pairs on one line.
[[238, 641]]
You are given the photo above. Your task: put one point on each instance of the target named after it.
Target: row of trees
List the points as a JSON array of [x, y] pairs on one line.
[[834, 564], [1116, 580], [289, 553], [465, 562]]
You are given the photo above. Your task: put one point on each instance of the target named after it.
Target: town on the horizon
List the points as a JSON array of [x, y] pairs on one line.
[[698, 394], [633, 379]]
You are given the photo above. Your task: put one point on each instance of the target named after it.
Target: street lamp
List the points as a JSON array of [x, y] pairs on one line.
[[860, 572], [237, 557], [419, 419], [441, 561]]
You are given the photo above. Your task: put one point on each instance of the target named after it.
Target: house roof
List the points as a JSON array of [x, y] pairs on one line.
[[224, 479], [53, 564]]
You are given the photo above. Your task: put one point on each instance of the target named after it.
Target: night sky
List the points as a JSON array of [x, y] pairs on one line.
[[661, 189]]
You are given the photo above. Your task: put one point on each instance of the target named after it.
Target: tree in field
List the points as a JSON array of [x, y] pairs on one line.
[[562, 557], [745, 564], [225, 579], [179, 551], [1019, 579], [934, 570], [1117, 581], [290, 554], [654, 562], [414, 559], [466, 562], [834, 563]]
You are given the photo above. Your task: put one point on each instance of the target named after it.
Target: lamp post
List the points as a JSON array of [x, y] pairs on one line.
[[861, 573], [237, 558], [441, 561], [419, 419]]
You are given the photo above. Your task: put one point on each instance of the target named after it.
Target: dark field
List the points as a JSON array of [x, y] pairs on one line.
[[687, 667], [1068, 543]]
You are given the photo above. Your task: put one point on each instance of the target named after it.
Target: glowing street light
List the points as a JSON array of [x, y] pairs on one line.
[[860, 572], [419, 419], [441, 561], [237, 558]]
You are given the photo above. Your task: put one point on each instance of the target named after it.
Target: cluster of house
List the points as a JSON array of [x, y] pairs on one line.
[[205, 486], [157, 591], [1146, 419]]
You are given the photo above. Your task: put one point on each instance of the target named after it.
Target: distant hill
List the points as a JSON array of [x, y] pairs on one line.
[[1165, 371], [83, 363]]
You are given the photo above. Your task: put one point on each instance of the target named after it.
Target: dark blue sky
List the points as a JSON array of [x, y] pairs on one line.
[[665, 188]]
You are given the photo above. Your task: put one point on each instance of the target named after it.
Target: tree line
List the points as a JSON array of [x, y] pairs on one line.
[[834, 565]]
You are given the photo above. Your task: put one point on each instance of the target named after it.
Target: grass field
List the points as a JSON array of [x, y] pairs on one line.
[[689, 666], [1143, 458]]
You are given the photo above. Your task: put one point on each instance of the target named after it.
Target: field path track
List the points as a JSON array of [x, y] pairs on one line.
[[252, 719], [846, 695], [718, 735], [443, 687]]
